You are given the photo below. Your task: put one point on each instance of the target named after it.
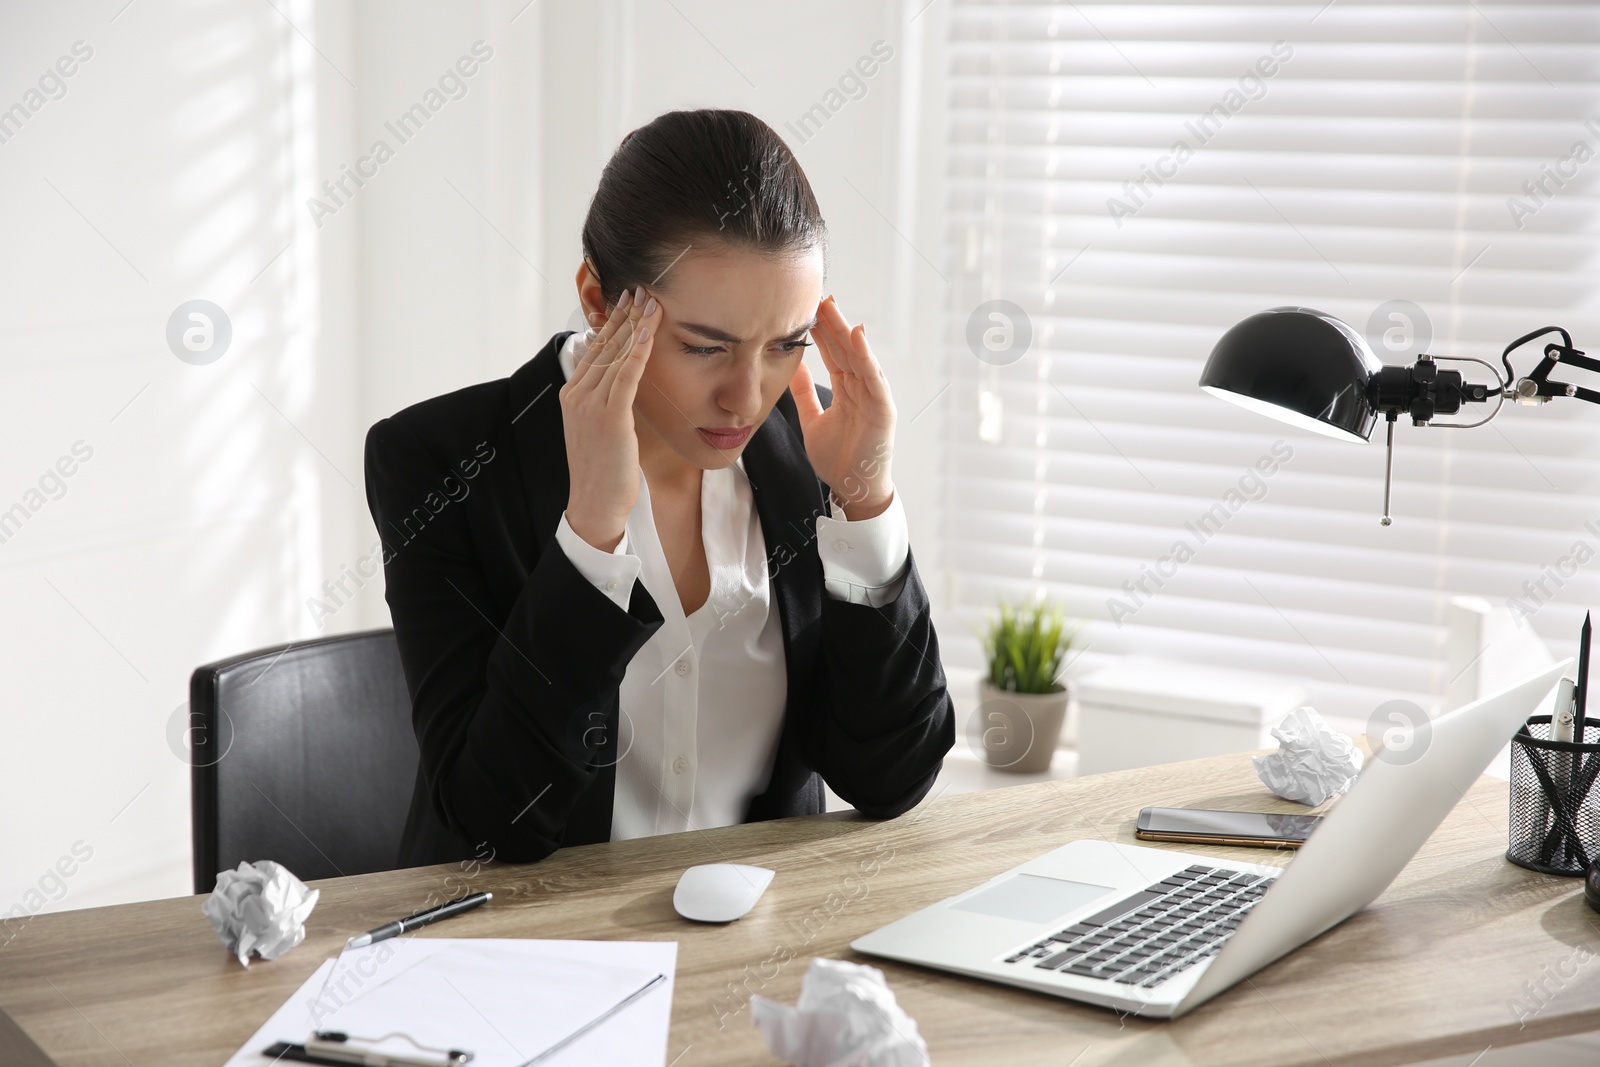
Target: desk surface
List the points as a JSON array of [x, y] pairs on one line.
[[1435, 967]]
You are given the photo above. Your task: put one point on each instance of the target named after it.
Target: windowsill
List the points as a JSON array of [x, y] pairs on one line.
[[964, 772]]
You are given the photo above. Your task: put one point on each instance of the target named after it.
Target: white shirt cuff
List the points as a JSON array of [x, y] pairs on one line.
[[613, 573], [864, 561]]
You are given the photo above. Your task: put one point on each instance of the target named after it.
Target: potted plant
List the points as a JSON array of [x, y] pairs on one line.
[[1021, 704]]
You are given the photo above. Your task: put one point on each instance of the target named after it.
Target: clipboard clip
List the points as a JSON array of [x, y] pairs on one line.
[[338, 1049]]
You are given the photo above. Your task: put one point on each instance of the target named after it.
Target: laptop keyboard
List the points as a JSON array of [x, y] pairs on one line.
[[1152, 935]]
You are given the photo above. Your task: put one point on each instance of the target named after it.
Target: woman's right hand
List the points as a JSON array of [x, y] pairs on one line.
[[597, 419]]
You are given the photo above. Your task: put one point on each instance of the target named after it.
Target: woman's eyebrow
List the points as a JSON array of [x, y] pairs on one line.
[[714, 334]]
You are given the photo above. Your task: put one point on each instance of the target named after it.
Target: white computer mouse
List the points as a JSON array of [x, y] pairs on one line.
[[719, 892]]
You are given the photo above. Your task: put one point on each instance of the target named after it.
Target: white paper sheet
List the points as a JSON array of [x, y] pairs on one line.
[[504, 999]]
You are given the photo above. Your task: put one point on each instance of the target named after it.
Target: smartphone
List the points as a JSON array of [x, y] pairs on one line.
[[1256, 828]]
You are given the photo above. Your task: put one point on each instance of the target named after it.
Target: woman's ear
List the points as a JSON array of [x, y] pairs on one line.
[[591, 299]]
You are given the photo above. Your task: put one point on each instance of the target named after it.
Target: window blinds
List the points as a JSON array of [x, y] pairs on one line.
[[1126, 181]]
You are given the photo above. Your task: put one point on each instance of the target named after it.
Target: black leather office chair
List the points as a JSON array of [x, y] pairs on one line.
[[304, 754]]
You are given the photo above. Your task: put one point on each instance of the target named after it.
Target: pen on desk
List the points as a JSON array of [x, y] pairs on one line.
[[421, 918]]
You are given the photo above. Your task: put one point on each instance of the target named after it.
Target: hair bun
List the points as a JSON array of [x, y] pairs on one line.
[[712, 176]]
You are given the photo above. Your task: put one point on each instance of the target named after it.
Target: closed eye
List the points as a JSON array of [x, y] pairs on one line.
[[707, 351]]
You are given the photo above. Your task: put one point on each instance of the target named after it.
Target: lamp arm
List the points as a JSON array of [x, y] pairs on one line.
[[1537, 388], [1505, 357]]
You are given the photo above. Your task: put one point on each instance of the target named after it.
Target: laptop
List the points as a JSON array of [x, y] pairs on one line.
[[1155, 933]]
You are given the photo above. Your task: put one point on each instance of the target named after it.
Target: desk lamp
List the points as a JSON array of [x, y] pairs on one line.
[[1311, 370]]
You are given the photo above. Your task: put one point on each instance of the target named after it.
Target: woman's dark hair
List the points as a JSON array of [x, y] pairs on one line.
[[697, 178]]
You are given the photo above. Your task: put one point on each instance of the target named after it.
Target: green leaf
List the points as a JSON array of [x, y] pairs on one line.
[[1026, 643]]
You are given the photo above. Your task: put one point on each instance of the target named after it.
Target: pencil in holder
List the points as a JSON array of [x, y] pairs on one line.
[[1555, 805]]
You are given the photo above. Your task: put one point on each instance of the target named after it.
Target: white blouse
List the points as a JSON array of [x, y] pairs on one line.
[[702, 701]]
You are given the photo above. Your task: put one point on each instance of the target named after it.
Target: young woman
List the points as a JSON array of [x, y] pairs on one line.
[[657, 579]]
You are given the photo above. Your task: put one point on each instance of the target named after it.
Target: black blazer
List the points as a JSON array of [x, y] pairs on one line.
[[514, 659]]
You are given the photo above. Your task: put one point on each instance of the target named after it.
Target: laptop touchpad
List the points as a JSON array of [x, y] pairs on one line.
[[1032, 897]]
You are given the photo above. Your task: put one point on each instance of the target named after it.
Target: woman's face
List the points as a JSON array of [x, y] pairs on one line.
[[733, 328]]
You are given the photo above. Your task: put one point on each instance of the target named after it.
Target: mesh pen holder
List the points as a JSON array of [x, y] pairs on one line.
[[1555, 805]]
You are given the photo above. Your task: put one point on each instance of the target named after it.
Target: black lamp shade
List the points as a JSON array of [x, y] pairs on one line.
[[1300, 366]]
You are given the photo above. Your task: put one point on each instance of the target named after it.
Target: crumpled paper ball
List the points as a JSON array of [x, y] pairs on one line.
[[260, 908], [1314, 762], [847, 1017]]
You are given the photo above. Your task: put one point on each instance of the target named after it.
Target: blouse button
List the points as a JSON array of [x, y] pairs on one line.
[[611, 585], [680, 765], [683, 666], [842, 545]]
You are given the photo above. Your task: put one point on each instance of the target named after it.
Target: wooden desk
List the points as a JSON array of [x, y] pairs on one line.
[[1433, 968]]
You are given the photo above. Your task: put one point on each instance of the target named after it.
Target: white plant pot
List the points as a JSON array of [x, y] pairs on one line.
[[1019, 731]]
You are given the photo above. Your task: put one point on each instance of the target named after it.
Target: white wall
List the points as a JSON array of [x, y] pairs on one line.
[[169, 170], [219, 498]]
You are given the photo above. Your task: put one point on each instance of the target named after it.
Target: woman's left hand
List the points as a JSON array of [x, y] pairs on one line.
[[850, 443]]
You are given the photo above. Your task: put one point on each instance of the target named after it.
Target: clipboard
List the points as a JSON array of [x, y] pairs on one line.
[[510, 1002]]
